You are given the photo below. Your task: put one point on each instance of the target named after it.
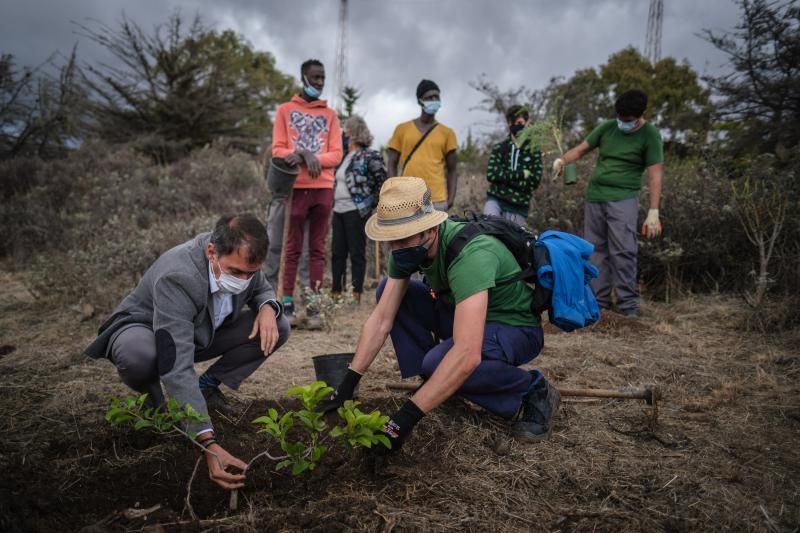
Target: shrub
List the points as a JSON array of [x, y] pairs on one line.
[[106, 214]]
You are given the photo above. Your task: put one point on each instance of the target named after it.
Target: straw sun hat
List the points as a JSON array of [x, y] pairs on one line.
[[404, 209]]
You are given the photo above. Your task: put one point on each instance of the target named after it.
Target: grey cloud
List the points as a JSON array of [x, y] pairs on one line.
[[392, 45]]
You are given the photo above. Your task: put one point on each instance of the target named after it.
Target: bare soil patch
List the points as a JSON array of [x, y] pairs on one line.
[[723, 454]]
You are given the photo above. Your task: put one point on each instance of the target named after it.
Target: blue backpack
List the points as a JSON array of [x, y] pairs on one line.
[[556, 264]]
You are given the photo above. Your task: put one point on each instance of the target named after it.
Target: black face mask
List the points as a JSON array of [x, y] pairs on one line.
[[516, 128], [412, 259], [409, 260]]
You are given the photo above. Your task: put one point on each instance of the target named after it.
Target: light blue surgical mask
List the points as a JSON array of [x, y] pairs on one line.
[[431, 106], [231, 284], [310, 90], [625, 127]]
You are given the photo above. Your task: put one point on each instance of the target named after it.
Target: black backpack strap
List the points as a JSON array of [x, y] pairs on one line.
[[464, 235]]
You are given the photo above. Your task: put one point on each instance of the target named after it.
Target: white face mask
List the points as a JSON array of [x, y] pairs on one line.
[[230, 283]]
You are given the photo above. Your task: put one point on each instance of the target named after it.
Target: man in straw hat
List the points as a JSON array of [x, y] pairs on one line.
[[463, 332]]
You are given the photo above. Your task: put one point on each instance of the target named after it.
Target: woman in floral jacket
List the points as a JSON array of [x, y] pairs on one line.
[[358, 182]]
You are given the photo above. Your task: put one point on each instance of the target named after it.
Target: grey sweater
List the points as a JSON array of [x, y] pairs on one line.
[[174, 299]]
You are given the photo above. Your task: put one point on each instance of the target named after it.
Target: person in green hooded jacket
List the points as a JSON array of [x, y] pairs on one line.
[[514, 171]]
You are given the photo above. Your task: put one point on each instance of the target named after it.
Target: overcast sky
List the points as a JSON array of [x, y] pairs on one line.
[[392, 44]]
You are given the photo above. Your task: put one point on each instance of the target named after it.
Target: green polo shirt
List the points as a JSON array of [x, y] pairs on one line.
[[622, 160], [482, 263]]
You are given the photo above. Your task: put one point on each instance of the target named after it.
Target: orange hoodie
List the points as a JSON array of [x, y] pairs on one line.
[[312, 126]]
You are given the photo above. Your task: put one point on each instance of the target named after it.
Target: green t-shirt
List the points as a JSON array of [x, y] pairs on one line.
[[622, 160], [482, 263]]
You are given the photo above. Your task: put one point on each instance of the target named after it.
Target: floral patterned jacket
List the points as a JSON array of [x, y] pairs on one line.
[[364, 176]]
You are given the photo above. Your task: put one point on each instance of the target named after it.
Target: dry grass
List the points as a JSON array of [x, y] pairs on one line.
[[723, 455]]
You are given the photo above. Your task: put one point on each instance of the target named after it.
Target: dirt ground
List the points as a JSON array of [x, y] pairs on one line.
[[722, 455]]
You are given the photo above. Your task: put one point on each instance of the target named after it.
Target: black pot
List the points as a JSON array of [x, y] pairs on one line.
[[281, 176], [331, 368]]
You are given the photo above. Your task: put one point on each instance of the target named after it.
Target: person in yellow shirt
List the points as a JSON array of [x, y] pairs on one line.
[[426, 149]]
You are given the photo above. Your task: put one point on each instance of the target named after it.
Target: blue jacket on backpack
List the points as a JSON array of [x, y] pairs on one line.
[[568, 275]]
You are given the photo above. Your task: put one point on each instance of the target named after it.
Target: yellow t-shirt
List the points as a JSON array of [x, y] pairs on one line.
[[428, 161]]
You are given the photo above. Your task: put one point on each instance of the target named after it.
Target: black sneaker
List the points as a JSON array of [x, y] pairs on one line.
[[216, 401], [539, 406], [288, 310]]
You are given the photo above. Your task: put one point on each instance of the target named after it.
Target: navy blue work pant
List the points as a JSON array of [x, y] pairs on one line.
[[422, 335]]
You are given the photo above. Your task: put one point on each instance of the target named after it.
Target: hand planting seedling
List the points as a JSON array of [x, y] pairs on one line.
[[301, 433]]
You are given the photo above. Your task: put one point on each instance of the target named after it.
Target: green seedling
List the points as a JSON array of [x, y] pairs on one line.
[[544, 135], [166, 420], [301, 455], [361, 429], [302, 434]]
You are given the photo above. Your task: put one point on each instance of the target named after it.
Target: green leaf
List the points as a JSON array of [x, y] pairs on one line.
[[113, 413], [383, 439], [318, 452], [300, 466], [141, 424], [173, 407], [364, 441], [295, 448], [287, 419]]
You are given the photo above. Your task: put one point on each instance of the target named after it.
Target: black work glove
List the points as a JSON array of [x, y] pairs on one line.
[[399, 427], [342, 393]]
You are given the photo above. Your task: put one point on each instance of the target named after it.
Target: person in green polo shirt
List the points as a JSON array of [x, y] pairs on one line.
[[628, 147], [463, 330]]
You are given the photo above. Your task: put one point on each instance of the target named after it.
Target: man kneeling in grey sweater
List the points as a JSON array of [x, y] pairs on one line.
[[203, 299]]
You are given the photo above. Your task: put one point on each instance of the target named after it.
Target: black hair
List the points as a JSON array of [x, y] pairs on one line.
[[516, 111], [631, 103], [309, 63], [425, 86], [236, 231]]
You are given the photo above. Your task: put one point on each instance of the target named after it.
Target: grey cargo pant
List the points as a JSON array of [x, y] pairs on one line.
[[611, 228], [276, 213], [133, 352], [492, 207]]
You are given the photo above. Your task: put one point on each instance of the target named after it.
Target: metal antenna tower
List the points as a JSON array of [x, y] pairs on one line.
[[341, 58], [655, 20]]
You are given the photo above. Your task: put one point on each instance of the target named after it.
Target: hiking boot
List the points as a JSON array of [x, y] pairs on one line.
[[633, 312], [539, 406], [216, 401], [313, 320]]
